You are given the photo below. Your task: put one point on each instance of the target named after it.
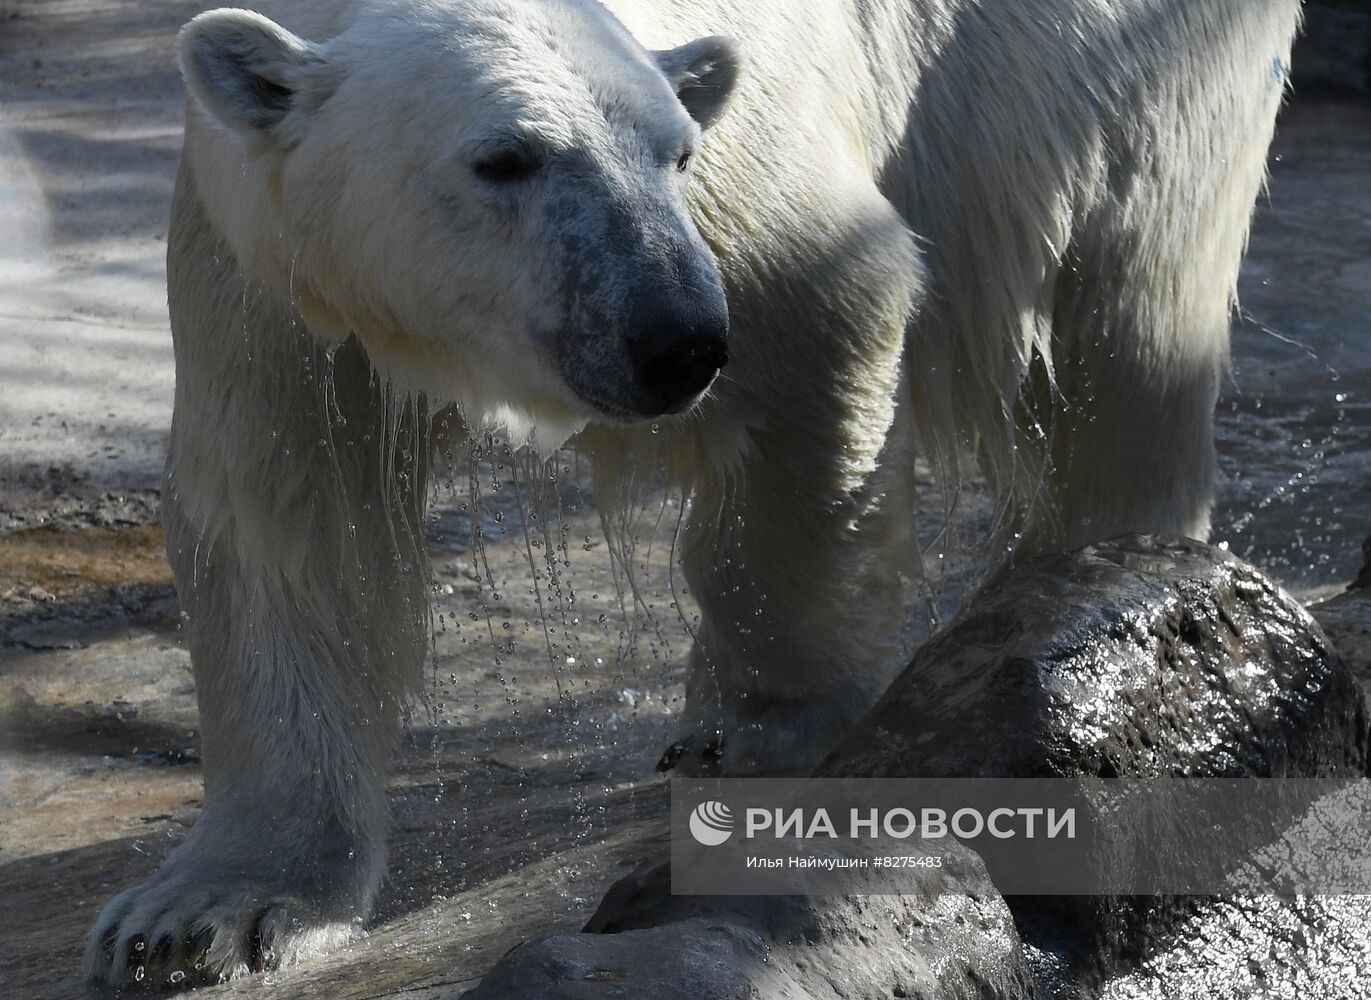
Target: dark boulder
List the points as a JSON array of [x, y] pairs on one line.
[[953, 937], [1346, 620], [1137, 657], [954, 940]]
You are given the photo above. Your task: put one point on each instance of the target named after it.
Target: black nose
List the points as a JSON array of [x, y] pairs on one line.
[[676, 354]]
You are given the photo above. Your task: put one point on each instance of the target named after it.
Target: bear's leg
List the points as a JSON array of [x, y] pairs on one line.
[[291, 511], [1132, 444], [798, 549], [1141, 318]]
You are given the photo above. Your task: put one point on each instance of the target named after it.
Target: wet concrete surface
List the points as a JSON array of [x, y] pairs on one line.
[[523, 786], [516, 803]]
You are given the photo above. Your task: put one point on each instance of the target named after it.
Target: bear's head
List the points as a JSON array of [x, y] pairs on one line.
[[490, 193]]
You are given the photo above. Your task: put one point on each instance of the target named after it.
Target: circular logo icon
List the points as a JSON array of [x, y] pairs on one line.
[[711, 823]]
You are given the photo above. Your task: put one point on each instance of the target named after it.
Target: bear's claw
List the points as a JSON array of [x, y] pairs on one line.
[[175, 931]]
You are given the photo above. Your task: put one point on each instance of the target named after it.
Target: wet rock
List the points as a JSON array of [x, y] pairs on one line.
[[693, 960], [1239, 948], [954, 940], [1135, 657], [1346, 620], [1363, 580]]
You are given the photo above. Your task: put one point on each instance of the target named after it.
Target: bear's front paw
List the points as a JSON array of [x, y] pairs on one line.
[[178, 929]]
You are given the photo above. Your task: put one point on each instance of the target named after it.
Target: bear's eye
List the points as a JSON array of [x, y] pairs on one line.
[[506, 167], [684, 161]]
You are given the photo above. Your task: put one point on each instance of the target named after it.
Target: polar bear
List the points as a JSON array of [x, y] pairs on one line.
[[802, 237]]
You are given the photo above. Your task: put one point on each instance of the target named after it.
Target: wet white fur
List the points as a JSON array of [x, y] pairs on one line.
[[1013, 225]]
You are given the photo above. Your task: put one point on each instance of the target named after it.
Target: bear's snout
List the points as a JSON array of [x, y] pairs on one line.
[[676, 350]]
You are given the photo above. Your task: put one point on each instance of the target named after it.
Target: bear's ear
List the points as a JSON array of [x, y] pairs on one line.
[[250, 74], [703, 73]]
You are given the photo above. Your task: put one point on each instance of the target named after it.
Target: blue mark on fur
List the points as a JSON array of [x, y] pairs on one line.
[[1278, 69]]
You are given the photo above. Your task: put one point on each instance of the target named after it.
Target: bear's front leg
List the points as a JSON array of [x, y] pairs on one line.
[[798, 548], [292, 515], [804, 598]]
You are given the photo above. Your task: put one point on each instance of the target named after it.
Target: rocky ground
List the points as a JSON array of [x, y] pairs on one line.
[[525, 786]]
